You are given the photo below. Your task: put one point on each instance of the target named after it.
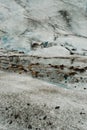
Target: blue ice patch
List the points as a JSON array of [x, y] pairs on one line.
[[5, 39]]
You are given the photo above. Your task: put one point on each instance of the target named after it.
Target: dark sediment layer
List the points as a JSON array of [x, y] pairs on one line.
[[54, 69]]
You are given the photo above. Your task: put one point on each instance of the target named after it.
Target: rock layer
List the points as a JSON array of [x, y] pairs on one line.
[[54, 69]]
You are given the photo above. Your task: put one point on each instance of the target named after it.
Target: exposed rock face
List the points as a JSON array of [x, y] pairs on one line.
[[22, 21]]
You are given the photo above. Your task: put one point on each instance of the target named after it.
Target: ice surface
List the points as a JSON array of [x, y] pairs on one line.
[[23, 21]]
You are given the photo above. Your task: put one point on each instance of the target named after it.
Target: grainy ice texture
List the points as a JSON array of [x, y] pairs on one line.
[[27, 103]]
